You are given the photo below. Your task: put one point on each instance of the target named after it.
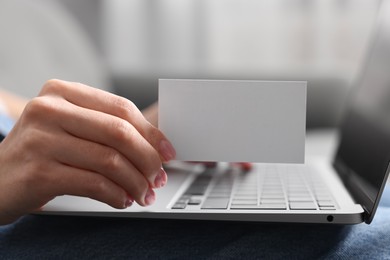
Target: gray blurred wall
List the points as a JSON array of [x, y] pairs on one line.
[[41, 40], [321, 41]]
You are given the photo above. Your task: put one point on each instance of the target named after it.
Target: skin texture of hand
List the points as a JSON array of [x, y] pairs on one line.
[[77, 140]]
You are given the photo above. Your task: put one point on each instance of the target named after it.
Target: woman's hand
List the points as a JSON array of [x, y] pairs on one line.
[[77, 140]]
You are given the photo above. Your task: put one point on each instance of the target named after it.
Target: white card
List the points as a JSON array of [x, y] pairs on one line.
[[234, 121]]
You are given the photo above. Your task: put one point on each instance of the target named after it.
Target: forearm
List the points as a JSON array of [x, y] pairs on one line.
[[13, 104]]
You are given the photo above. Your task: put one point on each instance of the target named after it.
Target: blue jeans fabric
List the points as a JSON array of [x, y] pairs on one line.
[[61, 237]]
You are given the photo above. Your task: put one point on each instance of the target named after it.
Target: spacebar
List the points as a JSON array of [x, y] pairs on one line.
[[260, 207], [216, 203]]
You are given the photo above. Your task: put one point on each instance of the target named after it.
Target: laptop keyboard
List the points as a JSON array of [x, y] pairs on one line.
[[271, 187]]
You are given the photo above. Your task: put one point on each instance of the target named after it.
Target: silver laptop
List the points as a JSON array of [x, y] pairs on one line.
[[346, 191]]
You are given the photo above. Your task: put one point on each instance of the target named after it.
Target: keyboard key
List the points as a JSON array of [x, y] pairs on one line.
[[245, 197], [239, 206], [300, 199], [272, 201], [196, 190], [216, 203], [303, 205], [219, 194], [179, 206], [182, 201], [273, 192], [194, 202], [246, 192], [273, 206], [244, 202]]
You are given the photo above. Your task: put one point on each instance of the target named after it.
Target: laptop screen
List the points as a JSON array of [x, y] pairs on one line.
[[363, 156]]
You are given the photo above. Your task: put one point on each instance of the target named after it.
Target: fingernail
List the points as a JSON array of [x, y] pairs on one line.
[[167, 151], [247, 166], [150, 197], [128, 202], [161, 178]]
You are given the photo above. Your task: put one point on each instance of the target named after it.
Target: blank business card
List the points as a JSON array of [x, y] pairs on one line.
[[233, 120]]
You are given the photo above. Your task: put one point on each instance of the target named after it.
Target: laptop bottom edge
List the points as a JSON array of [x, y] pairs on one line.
[[242, 216]]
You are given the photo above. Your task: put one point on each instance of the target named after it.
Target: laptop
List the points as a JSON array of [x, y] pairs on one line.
[[345, 190]]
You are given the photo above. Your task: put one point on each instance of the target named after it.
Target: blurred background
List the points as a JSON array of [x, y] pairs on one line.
[[125, 46]]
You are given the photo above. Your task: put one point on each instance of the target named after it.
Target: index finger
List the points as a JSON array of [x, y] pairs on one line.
[[99, 100]]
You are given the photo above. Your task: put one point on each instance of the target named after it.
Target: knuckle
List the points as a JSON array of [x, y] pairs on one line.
[[111, 161], [52, 86], [97, 186], [124, 107], [122, 130], [31, 140], [39, 106]]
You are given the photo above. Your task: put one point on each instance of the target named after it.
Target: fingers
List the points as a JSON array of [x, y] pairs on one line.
[[245, 166], [81, 95], [109, 163], [103, 122], [79, 182], [115, 133], [103, 136]]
